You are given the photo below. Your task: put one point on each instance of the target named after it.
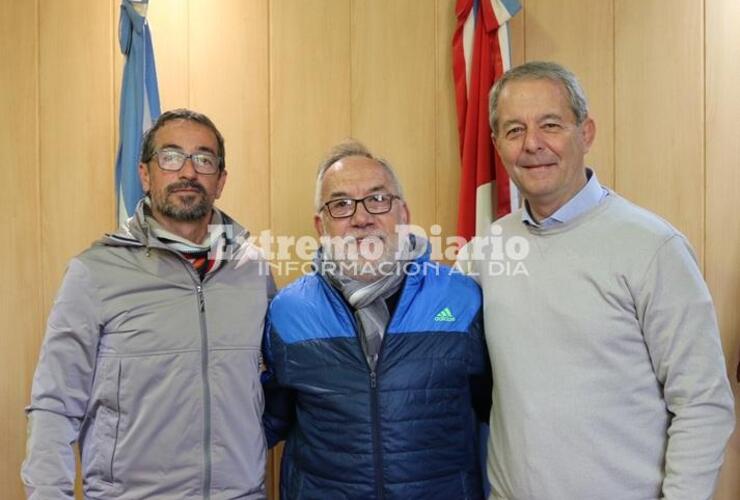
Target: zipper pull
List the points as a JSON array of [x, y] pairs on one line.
[[201, 302], [373, 380]]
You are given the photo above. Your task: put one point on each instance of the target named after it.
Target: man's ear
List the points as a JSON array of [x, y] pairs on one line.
[[144, 177], [493, 140], [318, 224], [405, 213], [221, 183], [588, 131]]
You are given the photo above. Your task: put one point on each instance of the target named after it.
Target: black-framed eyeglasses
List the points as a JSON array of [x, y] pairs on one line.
[[172, 160], [376, 204]]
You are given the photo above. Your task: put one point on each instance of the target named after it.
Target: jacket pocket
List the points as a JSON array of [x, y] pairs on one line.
[[107, 420]]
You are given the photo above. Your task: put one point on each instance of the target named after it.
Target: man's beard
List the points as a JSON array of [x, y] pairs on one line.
[[193, 207], [370, 259]]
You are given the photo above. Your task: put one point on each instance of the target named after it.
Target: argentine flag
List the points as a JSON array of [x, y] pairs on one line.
[[139, 102]]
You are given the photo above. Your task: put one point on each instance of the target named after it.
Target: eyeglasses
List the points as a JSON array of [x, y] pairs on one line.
[[172, 160], [375, 204]]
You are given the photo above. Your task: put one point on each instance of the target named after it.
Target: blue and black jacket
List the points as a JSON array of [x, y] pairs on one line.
[[404, 430]]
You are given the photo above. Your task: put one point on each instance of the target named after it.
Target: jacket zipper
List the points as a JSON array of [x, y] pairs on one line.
[[204, 374], [374, 410], [377, 449], [206, 393]]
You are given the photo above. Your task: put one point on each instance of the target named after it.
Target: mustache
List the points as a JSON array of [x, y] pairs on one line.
[[186, 184]]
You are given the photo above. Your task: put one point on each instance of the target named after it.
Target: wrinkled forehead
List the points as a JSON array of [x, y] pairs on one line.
[[533, 96], [355, 177]]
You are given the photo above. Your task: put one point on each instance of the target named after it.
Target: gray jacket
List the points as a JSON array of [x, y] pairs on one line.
[[154, 373]]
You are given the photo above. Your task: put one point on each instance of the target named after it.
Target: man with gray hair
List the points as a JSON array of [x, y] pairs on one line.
[[609, 378], [376, 361]]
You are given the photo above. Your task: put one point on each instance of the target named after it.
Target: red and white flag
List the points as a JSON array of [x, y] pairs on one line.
[[480, 55]]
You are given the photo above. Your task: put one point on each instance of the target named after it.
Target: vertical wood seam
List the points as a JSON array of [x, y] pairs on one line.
[[40, 284], [614, 96], [269, 110], [435, 101], [41, 219], [112, 110], [705, 183], [524, 32], [188, 53], [268, 83], [350, 11]]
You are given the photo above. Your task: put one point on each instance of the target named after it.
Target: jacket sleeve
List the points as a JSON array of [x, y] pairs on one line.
[[279, 400], [481, 385], [61, 388], [680, 330]]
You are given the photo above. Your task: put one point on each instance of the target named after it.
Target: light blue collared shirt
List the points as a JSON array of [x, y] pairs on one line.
[[587, 198]]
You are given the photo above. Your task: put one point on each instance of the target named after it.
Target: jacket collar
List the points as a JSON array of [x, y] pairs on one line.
[[136, 232]]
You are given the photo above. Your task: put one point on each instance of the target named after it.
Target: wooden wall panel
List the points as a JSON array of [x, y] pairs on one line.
[[579, 34], [393, 93], [118, 62], [447, 149], [75, 130], [309, 104], [659, 89], [723, 204], [20, 301], [517, 31], [171, 36], [287, 79], [229, 82], [75, 124]]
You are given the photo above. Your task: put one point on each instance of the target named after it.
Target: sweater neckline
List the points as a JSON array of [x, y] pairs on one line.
[[578, 220]]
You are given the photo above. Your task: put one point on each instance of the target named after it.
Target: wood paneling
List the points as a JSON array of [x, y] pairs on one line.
[[393, 93], [579, 34], [309, 104], [287, 79], [447, 149], [172, 30], [76, 131], [659, 88], [229, 82], [20, 300], [517, 30], [722, 203]]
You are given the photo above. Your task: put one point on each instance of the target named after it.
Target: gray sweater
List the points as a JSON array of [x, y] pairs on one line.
[[609, 378]]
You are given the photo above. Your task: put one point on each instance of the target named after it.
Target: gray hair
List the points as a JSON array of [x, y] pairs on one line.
[[147, 142], [351, 147], [540, 70]]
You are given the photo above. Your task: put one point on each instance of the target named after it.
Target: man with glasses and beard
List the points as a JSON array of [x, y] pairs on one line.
[[376, 362], [151, 360]]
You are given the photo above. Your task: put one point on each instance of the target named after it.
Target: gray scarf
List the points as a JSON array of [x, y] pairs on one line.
[[368, 299]]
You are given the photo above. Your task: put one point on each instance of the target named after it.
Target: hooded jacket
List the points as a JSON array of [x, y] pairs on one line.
[[155, 373], [405, 429]]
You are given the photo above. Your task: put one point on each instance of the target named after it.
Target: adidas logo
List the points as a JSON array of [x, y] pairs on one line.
[[444, 315]]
